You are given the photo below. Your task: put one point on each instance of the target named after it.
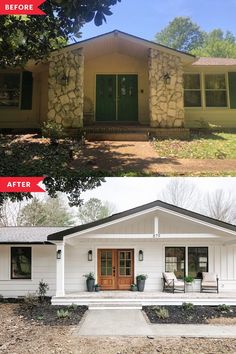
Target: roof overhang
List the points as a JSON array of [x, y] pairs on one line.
[[94, 227], [117, 41]]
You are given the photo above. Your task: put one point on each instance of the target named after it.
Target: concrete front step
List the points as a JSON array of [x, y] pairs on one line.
[[115, 306]]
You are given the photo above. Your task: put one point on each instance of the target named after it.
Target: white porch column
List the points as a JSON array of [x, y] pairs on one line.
[[60, 270]]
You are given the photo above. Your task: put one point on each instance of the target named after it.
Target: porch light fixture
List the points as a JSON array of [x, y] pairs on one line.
[[140, 256], [90, 255], [166, 78], [59, 254]]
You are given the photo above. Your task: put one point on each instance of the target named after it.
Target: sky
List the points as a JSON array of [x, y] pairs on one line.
[[146, 18], [128, 192]]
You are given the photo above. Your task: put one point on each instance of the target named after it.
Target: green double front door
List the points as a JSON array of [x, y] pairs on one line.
[[117, 98]]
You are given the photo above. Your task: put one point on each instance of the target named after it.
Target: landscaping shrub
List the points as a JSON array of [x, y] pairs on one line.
[[53, 131], [42, 290], [31, 300], [63, 313], [224, 308], [162, 313], [187, 306]]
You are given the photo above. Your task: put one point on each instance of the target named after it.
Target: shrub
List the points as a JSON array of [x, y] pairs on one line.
[[188, 279], [187, 306], [142, 277], [72, 307], [42, 289], [224, 308], [162, 313], [89, 276], [52, 130], [31, 300], [40, 317], [63, 313], [1, 298]]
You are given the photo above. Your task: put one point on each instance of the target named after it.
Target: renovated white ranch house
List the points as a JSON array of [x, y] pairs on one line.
[[150, 239]]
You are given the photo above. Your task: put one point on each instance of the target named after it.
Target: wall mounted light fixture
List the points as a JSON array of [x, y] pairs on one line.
[[140, 256], [90, 255], [166, 78], [59, 254]]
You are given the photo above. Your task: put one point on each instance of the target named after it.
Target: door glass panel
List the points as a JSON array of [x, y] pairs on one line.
[[123, 87], [106, 263], [125, 259]]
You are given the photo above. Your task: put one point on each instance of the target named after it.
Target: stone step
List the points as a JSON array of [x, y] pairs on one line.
[[117, 136]]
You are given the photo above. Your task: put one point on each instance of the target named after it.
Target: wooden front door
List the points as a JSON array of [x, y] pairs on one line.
[[115, 269], [117, 98]]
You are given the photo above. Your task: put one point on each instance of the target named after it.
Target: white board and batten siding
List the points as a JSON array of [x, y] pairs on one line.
[[222, 260], [43, 267]]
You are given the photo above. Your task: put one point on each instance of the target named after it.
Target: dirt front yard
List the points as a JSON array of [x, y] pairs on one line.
[[31, 155], [20, 335]]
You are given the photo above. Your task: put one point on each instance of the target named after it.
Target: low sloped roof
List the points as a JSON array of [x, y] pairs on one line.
[[25, 235], [215, 62]]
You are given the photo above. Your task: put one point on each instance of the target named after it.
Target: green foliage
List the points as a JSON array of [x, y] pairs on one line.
[[94, 209], [40, 317], [52, 130], [187, 306], [188, 279], [42, 289], [63, 313], [33, 37], [90, 276], [142, 277], [181, 34], [162, 312], [217, 44], [31, 300], [224, 308], [73, 307], [49, 212]]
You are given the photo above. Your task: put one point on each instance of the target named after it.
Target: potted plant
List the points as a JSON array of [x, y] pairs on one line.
[[133, 287], [90, 281], [97, 288], [141, 278], [188, 282]]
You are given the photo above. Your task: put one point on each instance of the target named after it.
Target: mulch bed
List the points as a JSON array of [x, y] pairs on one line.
[[189, 315], [47, 314]]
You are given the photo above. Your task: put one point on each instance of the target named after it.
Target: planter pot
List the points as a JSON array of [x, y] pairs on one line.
[[90, 284], [141, 284], [134, 288], [189, 287]]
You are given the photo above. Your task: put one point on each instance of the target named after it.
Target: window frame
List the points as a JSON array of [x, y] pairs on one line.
[[186, 258], [177, 262], [198, 90], [205, 90], [20, 88], [207, 263], [31, 263]]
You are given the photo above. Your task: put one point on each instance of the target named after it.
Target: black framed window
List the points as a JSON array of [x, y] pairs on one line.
[[192, 90], [10, 89], [197, 261], [175, 261], [21, 258]]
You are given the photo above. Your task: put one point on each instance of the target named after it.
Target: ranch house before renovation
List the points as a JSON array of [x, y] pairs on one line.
[[117, 79]]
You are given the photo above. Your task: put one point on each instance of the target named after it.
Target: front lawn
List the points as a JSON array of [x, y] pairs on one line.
[[189, 314], [202, 145]]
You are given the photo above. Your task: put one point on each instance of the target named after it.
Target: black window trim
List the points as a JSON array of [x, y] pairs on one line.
[[20, 89], [186, 253], [31, 268]]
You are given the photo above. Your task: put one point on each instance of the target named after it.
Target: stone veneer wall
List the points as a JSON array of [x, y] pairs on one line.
[[65, 100], [166, 101]]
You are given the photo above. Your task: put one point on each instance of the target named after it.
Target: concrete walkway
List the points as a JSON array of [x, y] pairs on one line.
[[135, 323]]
